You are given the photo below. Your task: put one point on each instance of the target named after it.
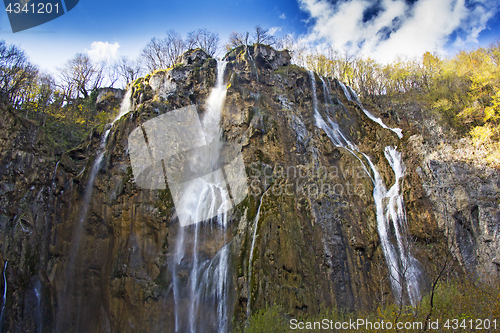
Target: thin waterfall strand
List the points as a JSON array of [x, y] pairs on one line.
[[403, 267], [253, 65], [87, 197], [353, 97], [126, 105], [252, 248]]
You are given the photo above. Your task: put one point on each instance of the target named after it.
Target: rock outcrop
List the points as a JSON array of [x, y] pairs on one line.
[[465, 201]]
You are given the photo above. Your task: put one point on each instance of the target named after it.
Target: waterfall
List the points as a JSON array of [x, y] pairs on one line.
[[125, 106], [205, 295], [252, 247], [313, 87], [55, 173], [404, 271], [352, 96], [215, 103], [326, 92], [333, 130], [346, 92], [329, 91], [4, 297], [87, 196], [80, 223], [253, 64], [397, 215]]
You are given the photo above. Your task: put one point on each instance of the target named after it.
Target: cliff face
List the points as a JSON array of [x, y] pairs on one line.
[[26, 205], [306, 237], [465, 202]]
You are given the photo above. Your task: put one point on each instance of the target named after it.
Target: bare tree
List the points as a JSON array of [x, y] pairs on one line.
[[154, 55], [262, 36], [112, 74], [128, 70], [236, 39], [296, 49], [205, 40], [163, 53], [80, 76], [286, 43], [16, 73], [175, 46]]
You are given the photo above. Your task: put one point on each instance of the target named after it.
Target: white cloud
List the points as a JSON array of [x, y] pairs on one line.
[[103, 51], [283, 16], [274, 30], [398, 28]]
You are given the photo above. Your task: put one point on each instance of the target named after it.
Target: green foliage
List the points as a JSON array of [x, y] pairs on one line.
[[67, 123], [271, 319], [464, 90], [16, 75], [461, 300], [65, 116]]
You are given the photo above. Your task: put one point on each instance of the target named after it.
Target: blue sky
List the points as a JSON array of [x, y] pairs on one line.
[[381, 29]]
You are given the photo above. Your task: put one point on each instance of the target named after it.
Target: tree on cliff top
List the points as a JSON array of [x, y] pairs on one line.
[[163, 53], [236, 39], [206, 40], [16, 73], [81, 75], [128, 70], [262, 36]]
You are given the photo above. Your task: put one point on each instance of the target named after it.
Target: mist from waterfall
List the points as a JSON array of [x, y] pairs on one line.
[[404, 269]]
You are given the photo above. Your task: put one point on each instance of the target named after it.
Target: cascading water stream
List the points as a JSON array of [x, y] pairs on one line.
[[326, 92], [80, 223], [252, 248], [253, 65], [55, 174], [87, 196], [333, 130], [352, 96], [207, 289], [397, 215], [346, 92], [125, 107], [405, 274]]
